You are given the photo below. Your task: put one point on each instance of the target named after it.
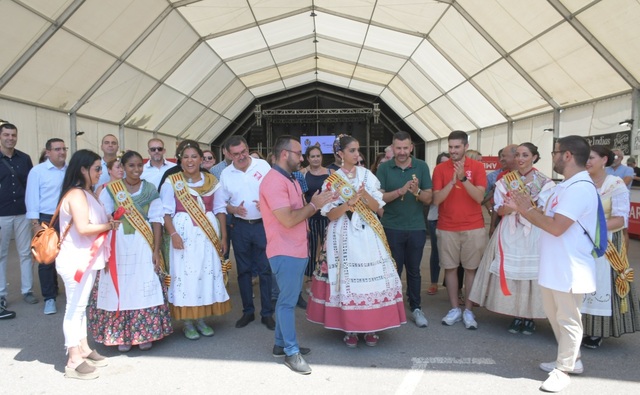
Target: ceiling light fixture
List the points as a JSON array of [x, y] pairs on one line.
[[313, 14], [315, 40], [627, 123], [548, 130]]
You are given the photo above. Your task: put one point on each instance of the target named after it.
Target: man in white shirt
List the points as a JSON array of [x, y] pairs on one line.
[[43, 193], [239, 196], [567, 268], [109, 147], [155, 167]]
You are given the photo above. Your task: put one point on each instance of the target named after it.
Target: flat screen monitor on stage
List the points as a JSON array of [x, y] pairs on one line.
[[324, 142]]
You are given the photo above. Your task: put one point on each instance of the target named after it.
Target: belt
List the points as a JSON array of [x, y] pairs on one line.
[[248, 221]]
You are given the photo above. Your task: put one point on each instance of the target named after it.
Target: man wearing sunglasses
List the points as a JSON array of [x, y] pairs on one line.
[[157, 164], [43, 192]]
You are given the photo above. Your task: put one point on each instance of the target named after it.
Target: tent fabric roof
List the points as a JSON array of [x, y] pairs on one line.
[[190, 67]]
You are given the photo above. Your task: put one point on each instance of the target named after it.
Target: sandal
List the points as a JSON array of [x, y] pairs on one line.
[[145, 346], [371, 339], [190, 331], [84, 371], [97, 360], [432, 290], [203, 328], [350, 340]]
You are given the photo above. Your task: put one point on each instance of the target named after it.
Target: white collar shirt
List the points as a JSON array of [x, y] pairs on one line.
[[43, 189], [154, 174], [241, 186]]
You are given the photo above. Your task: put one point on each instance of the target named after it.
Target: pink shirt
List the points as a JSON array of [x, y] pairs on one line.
[[276, 192]]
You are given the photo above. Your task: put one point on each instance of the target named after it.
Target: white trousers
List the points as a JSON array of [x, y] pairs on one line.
[[74, 325], [563, 311]]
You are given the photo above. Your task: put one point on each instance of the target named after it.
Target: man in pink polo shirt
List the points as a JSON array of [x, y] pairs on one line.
[[285, 222]]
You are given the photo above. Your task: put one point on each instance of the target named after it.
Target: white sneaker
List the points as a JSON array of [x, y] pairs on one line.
[[557, 381], [420, 319], [469, 320], [454, 315], [578, 368]]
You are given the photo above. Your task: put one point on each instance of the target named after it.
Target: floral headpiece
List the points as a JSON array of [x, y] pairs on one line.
[[336, 143]]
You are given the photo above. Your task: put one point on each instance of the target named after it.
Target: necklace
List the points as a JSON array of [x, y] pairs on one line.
[[351, 174], [191, 180], [134, 184], [527, 173]]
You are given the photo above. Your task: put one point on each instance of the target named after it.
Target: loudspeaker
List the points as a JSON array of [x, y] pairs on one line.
[[377, 131], [256, 135]]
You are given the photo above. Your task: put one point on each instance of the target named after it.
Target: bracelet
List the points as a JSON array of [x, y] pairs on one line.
[[314, 206], [531, 208], [174, 233]]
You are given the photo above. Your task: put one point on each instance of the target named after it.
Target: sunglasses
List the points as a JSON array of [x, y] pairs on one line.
[[208, 157], [156, 149]]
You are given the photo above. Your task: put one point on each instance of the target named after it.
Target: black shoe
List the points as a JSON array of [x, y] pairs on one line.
[[297, 364], [269, 323], [3, 302], [301, 303], [591, 342], [279, 351], [244, 320], [7, 315]]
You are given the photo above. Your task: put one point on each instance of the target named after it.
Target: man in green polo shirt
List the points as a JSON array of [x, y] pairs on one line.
[[406, 185]]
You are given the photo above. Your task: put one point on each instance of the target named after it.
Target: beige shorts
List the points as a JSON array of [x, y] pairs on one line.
[[464, 247]]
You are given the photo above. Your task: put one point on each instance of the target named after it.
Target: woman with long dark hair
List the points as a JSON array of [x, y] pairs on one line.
[[129, 306], [83, 251]]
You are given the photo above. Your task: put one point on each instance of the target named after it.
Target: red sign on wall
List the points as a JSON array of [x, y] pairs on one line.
[[634, 219], [490, 163]]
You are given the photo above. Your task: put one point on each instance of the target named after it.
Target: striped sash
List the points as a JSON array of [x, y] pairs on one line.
[[196, 212], [123, 199], [338, 183], [623, 273]]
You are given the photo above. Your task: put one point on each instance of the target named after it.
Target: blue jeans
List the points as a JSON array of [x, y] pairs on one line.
[[289, 272], [434, 260], [407, 247], [47, 273], [249, 246]]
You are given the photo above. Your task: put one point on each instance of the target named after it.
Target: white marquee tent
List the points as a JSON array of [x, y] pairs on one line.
[[502, 70]]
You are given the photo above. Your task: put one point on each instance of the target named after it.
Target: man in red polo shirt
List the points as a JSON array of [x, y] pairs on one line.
[[458, 189]]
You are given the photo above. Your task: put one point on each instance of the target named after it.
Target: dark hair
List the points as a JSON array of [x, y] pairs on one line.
[[47, 145], [364, 157], [578, 146], [234, 141], [73, 177], [187, 144], [500, 152], [442, 155], [128, 155], [459, 135], [43, 156], [342, 141], [533, 149], [376, 163], [604, 152], [8, 125], [311, 148], [282, 143], [401, 135]]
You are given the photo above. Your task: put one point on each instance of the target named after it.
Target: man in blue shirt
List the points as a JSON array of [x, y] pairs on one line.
[[14, 169], [620, 170], [42, 196]]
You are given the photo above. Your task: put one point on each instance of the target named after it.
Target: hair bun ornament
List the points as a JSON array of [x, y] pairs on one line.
[[336, 143]]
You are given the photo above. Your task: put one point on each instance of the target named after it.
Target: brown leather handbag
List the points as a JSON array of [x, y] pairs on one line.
[[45, 244]]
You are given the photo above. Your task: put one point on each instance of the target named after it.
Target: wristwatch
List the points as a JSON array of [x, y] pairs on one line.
[[464, 179]]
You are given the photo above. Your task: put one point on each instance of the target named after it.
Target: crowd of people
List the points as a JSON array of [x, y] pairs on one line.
[[145, 245]]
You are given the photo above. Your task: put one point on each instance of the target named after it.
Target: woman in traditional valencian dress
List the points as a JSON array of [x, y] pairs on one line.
[[507, 278], [613, 309], [357, 288], [129, 306], [197, 288]]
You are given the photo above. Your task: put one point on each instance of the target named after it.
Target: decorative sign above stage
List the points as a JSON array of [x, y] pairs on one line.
[[618, 140]]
